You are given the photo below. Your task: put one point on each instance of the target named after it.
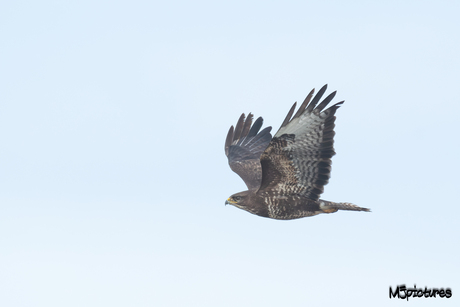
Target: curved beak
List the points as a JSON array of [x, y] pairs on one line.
[[226, 202]]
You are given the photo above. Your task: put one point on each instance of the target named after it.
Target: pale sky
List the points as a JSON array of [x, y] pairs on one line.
[[113, 177]]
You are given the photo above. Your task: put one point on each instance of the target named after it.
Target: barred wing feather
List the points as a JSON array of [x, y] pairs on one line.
[[298, 158], [243, 146]]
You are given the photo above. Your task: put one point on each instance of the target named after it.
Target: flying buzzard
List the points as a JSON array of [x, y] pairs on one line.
[[286, 174]]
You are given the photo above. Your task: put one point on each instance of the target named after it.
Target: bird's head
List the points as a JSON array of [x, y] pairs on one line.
[[238, 200], [248, 201]]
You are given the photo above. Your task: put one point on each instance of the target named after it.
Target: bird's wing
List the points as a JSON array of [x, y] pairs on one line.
[[298, 158], [243, 148]]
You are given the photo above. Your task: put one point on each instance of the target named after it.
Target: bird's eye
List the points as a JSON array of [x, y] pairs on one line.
[[236, 198]]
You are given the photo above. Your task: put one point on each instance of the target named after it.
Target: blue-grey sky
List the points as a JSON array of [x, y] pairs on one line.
[[113, 116]]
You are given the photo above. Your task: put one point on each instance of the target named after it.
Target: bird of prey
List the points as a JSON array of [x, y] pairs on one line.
[[286, 174]]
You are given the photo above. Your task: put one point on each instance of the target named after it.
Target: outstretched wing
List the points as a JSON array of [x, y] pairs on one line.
[[243, 148], [298, 158]]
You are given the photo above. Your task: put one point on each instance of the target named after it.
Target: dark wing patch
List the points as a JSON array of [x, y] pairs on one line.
[[243, 148], [298, 159]]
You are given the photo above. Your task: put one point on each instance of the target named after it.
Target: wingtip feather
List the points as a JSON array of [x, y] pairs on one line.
[[288, 116], [229, 140]]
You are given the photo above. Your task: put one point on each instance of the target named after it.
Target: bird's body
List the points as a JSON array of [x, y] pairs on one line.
[[285, 175], [285, 207]]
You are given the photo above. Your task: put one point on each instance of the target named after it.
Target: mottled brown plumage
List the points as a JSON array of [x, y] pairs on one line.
[[286, 174]]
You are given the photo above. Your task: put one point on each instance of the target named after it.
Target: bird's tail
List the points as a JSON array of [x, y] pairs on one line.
[[330, 207]]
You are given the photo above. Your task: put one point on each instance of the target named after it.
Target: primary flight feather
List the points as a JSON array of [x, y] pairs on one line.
[[286, 174]]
